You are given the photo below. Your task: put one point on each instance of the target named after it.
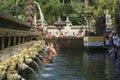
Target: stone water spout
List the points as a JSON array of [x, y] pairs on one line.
[[28, 70], [15, 76], [21, 59], [22, 66], [28, 60]]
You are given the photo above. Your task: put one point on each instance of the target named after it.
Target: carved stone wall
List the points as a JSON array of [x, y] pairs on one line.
[[117, 18], [8, 41], [29, 13]]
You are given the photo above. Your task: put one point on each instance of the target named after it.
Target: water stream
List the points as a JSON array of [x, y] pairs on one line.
[[39, 60], [33, 72], [37, 66]]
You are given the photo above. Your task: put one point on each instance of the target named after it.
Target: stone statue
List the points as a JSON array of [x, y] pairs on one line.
[[108, 18]]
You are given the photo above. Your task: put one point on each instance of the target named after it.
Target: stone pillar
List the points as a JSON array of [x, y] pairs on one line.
[[27, 38], [14, 43], [9, 41], [19, 40], [23, 39], [30, 38], [3, 45], [5, 41]]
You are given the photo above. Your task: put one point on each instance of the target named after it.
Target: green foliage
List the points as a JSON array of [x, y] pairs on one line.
[[11, 6], [53, 8], [8, 6], [77, 16], [101, 5], [51, 12]]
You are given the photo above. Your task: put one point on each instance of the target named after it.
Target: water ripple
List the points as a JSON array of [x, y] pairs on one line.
[[47, 75], [48, 68]]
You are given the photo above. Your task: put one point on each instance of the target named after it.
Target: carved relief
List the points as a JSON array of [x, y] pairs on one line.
[[117, 18], [29, 13]]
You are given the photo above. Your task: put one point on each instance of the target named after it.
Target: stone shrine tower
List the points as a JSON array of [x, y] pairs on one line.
[[67, 28], [29, 13]]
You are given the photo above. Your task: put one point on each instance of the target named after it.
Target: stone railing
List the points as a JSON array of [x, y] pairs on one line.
[[7, 21], [13, 31]]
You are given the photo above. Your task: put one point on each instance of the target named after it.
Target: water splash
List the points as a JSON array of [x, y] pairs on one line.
[[23, 79], [33, 72], [43, 53], [48, 68], [41, 16], [38, 59], [36, 65], [47, 75], [50, 64]]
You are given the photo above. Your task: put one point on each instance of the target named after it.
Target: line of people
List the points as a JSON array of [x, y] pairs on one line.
[[61, 34], [113, 42]]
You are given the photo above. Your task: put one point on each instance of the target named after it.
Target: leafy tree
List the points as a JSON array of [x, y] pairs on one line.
[[14, 7], [77, 16], [101, 5], [51, 12], [53, 8]]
